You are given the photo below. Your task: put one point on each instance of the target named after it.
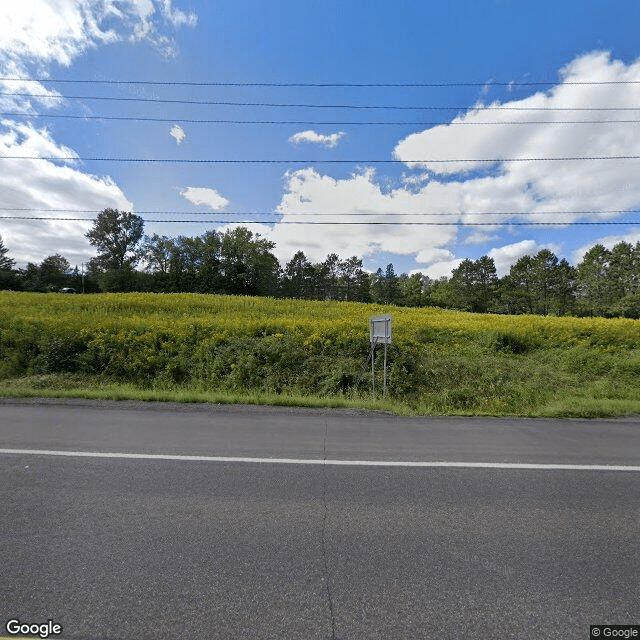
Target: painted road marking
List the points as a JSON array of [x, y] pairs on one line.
[[346, 463]]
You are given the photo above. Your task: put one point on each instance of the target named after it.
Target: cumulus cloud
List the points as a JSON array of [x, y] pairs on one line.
[[311, 198], [35, 35], [438, 187], [177, 133], [506, 256], [517, 132], [330, 141], [480, 237], [440, 269], [46, 31], [41, 185], [607, 241], [206, 197]]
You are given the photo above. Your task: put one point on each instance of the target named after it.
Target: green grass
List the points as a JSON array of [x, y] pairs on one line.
[[226, 349], [64, 386]]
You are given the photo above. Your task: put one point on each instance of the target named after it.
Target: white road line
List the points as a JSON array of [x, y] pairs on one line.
[[346, 463]]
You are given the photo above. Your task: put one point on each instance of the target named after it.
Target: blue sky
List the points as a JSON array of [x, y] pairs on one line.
[[487, 43]]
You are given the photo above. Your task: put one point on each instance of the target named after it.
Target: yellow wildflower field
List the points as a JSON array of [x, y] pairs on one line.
[[440, 361], [219, 315]]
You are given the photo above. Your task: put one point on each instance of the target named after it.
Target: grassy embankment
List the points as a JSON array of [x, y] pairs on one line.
[[202, 348]]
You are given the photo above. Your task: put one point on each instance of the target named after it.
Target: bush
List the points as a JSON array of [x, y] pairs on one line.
[[509, 342]]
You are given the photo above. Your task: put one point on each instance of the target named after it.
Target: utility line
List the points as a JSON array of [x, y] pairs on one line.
[[320, 213], [304, 122], [426, 224], [315, 160], [169, 83], [312, 106]]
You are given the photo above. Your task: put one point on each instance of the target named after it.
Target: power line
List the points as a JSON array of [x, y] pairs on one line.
[[427, 224], [314, 160], [332, 213], [169, 83], [311, 106], [306, 122]]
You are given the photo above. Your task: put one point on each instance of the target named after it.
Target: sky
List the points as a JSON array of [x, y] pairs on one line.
[[505, 115]]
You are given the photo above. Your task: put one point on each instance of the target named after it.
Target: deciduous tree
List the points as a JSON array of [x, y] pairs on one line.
[[116, 235]]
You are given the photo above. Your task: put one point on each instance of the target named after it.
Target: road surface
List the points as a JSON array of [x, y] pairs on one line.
[[191, 529]]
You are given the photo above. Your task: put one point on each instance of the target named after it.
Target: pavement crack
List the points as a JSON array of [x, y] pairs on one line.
[[327, 581]]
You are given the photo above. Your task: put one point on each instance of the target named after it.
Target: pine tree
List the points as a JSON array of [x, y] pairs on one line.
[[6, 263]]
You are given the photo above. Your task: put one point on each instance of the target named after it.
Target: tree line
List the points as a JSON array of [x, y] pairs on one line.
[[237, 261]]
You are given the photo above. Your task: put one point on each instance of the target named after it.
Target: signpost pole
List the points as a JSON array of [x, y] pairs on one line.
[[373, 373], [384, 385], [379, 328]]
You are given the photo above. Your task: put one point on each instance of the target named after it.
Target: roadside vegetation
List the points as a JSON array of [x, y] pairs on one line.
[[216, 348]]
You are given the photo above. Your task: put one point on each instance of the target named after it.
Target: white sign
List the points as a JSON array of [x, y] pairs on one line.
[[380, 329]]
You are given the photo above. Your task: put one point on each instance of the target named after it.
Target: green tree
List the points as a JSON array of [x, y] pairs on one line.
[[623, 279], [353, 280], [116, 235], [385, 286], [391, 285], [552, 285], [8, 278], [6, 263], [593, 287], [185, 264], [565, 288], [210, 262], [517, 287], [412, 289], [442, 293], [540, 284], [622, 275], [326, 275], [156, 252], [54, 272], [30, 277], [247, 264], [297, 279], [474, 284], [378, 287]]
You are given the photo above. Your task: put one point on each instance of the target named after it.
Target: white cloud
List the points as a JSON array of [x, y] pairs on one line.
[[178, 18], [43, 31], [464, 192], [506, 256], [35, 185], [177, 133], [441, 269], [205, 196], [607, 241], [35, 34], [595, 186], [479, 237], [330, 141], [40, 32], [312, 198]]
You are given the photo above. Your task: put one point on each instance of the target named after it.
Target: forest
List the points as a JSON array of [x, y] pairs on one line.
[[238, 262]]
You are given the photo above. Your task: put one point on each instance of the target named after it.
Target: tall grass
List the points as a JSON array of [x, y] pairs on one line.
[[192, 347]]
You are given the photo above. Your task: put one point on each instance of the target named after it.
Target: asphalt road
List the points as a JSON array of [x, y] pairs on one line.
[[122, 548]]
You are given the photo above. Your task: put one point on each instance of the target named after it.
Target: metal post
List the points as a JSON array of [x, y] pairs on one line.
[[373, 373], [384, 387]]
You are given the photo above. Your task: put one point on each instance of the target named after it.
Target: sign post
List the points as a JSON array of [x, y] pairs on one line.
[[379, 332]]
